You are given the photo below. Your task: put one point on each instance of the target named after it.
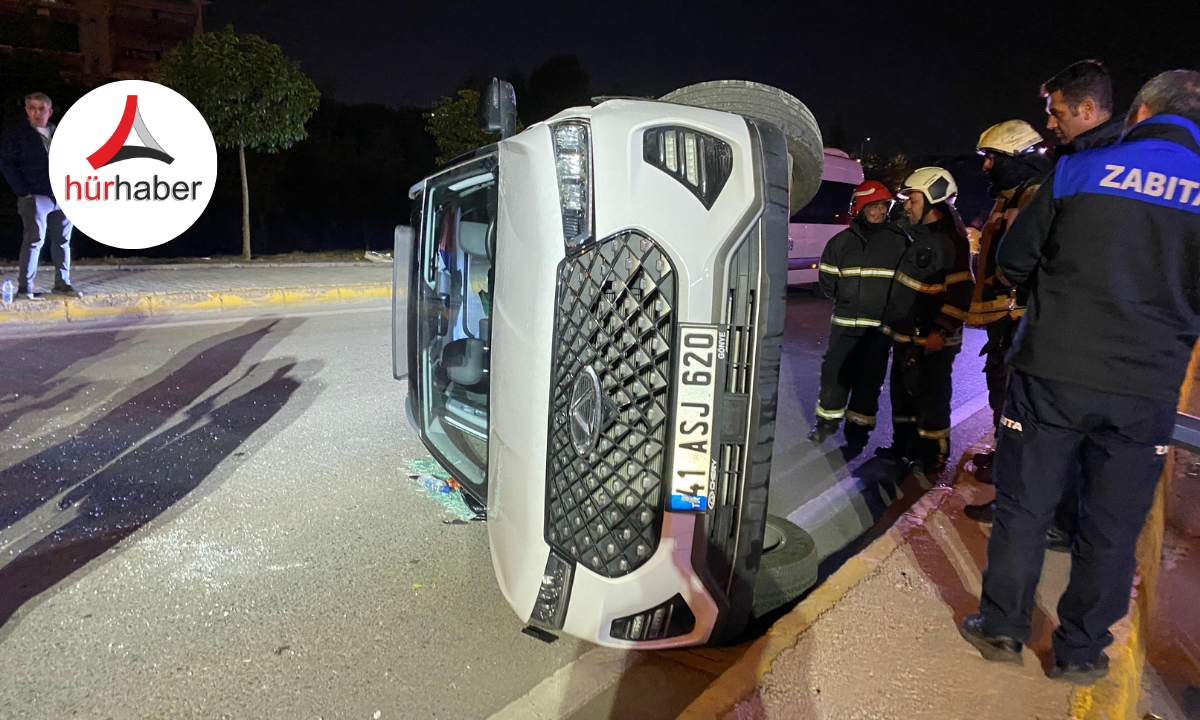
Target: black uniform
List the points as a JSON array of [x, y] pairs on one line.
[[931, 292], [1110, 246], [857, 267]]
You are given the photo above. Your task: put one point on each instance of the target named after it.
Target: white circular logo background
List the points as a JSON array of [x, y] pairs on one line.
[[133, 164]]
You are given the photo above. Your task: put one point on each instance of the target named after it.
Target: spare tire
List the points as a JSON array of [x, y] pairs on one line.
[[777, 107], [788, 567]]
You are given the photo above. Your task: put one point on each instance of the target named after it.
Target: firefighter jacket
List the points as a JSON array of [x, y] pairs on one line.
[[857, 267], [1110, 247], [992, 298], [932, 288]]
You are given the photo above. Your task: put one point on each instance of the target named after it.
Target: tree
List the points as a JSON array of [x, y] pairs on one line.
[[454, 124], [250, 94], [891, 171]]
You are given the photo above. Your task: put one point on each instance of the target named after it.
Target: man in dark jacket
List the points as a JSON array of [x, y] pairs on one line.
[[1079, 107], [856, 270], [1110, 246], [927, 306], [25, 162]]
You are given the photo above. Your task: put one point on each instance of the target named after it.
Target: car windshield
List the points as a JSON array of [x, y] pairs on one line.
[[454, 281]]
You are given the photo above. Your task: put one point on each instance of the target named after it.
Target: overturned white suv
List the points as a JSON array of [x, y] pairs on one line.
[[590, 327]]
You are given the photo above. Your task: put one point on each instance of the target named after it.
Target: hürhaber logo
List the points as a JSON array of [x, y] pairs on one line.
[[133, 164]]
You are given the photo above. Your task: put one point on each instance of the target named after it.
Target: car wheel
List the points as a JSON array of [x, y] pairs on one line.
[[777, 107], [788, 567]]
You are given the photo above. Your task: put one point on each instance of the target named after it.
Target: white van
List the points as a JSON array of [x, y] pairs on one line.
[[825, 216]]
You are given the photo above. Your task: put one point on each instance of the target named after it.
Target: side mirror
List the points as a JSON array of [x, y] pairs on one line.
[[498, 109]]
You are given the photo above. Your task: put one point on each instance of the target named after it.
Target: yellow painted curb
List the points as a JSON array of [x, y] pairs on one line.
[[250, 298], [300, 296], [184, 302], [739, 682], [34, 311], [106, 305], [354, 293], [56, 310]]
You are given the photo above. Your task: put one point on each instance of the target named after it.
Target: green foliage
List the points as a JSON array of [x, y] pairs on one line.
[[245, 87], [453, 124]]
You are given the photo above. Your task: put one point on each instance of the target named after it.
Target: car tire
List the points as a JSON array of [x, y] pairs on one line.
[[788, 567], [777, 107]]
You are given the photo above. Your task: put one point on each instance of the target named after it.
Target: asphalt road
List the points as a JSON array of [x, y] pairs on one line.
[[213, 518]]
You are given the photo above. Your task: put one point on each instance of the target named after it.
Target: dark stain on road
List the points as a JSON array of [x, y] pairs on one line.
[[143, 457]]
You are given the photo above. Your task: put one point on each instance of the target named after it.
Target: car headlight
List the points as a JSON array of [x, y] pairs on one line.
[[573, 162]]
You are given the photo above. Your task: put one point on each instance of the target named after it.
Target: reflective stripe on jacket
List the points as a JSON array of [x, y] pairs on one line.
[[992, 298], [932, 287], [856, 270]]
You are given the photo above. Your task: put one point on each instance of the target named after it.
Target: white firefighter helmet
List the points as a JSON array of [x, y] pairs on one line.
[[935, 183], [1011, 137]]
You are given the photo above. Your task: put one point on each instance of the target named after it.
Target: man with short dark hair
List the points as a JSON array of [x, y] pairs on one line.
[[1079, 106], [25, 162], [1110, 248]]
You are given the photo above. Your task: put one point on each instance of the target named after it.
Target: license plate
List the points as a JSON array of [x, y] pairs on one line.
[[692, 472]]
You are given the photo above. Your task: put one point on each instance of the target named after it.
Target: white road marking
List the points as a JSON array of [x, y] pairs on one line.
[[28, 331], [572, 686]]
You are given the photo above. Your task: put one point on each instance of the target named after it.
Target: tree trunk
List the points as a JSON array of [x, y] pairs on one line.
[[245, 202]]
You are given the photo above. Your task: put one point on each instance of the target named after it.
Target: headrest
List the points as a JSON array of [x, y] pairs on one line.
[[472, 238]]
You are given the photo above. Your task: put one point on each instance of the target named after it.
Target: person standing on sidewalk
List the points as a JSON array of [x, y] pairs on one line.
[[1014, 160], [926, 309], [1079, 107], [1110, 247], [857, 267], [25, 162]]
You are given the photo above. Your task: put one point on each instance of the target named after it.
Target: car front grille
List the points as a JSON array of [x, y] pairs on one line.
[[724, 517], [616, 315]]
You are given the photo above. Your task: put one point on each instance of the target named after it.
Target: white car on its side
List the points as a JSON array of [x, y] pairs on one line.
[[588, 316]]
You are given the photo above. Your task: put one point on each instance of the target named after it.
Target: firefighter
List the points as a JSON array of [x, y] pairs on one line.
[[928, 304], [1014, 159], [856, 270], [1110, 249]]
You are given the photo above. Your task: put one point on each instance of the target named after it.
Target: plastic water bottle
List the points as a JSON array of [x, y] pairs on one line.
[[436, 484], [7, 291]]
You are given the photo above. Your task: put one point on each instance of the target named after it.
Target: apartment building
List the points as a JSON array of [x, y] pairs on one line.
[[98, 40]]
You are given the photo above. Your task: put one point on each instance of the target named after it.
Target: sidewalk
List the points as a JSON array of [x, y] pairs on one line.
[[160, 289], [879, 638]]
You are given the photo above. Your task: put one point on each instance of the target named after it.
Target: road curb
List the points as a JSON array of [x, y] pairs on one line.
[[56, 309], [740, 683]]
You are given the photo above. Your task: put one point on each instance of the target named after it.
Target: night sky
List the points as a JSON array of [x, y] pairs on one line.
[[923, 78]]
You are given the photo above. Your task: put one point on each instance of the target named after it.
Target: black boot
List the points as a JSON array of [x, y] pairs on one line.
[[822, 431], [979, 513], [997, 648], [1081, 673], [1058, 540], [856, 438]]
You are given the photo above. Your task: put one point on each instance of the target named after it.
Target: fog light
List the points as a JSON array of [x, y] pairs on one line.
[[671, 619], [550, 608]]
